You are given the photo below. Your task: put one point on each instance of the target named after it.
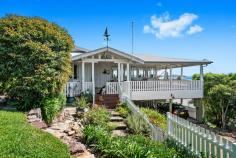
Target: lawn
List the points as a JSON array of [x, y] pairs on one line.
[[19, 139]]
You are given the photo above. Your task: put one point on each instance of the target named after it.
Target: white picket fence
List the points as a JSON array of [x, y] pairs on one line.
[[199, 139]]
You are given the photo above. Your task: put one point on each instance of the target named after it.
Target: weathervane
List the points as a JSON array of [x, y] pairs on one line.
[[106, 35]]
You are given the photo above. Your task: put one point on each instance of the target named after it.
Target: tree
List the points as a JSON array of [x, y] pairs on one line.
[[34, 59], [221, 102], [219, 97]]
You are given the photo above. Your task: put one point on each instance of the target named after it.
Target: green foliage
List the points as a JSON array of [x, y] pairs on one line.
[[219, 97], [123, 110], [81, 102], [136, 146], [98, 116], [223, 97], [155, 118], [34, 59], [137, 125], [183, 151], [88, 96], [19, 139], [51, 107]]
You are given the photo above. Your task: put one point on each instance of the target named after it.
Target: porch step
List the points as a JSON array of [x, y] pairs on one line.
[[119, 125], [109, 100], [116, 119]]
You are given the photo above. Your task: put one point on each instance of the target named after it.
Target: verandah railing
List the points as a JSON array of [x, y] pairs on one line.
[[166, 85], [139, 86], [74, 88]]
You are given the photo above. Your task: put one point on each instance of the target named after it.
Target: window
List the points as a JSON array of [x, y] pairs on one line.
[[140, 73], [75, 71], [114, 72]]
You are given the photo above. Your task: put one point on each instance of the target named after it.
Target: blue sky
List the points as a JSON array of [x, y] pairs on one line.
[[194, 29]]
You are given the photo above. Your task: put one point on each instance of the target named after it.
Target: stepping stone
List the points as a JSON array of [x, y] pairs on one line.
[[114, 113], [120, 133], [116, 119], [119, 125]]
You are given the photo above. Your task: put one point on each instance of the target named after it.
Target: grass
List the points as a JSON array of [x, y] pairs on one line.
[[19, 139]]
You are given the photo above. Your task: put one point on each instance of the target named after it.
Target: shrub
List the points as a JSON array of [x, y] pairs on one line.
[[125, 147], [51, 107], [123, 110], [155, 118], [97, 116], [81, 102], [88, 96], [137, 125], [183, 151], [34, 59]]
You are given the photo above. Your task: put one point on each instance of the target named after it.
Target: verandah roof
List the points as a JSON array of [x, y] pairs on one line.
[[147, 60]]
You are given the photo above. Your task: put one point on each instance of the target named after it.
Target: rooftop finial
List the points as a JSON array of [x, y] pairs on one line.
[[106, 35]]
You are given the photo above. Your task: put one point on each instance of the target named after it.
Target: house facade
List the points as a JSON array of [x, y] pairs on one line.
[[141, 77]]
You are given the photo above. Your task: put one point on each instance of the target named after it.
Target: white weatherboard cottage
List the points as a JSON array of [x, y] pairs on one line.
[[142, 77]]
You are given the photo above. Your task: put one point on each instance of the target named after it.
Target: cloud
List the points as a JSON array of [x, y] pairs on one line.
[[164, 27], [194, 29]]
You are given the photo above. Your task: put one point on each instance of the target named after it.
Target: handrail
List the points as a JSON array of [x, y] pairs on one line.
[[155, 132]]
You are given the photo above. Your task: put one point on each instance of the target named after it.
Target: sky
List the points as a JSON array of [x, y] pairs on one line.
[[192, 29]]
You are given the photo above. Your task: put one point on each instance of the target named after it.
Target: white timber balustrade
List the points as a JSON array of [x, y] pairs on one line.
[[88, 86], [73, 89], [146, 90], [198, 139], [111, 87]]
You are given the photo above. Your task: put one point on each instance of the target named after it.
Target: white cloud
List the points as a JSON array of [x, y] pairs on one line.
[[194, 29], [164, 27]]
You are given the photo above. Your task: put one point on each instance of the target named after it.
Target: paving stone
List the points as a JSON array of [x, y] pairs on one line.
[[120, 133], [39, 124], [114, 113], [77, 147], [86, 154], [118, 125], [116, 118], [70, 133]]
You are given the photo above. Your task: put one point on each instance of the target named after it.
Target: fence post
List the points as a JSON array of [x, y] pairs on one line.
[[233, 150]]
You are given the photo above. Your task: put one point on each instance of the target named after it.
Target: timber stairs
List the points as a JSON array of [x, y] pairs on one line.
[[108, 100]]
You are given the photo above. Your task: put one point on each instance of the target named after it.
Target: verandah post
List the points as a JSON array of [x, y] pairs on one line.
[[93, 82], [83, 66], [171, 96], [181, 78]]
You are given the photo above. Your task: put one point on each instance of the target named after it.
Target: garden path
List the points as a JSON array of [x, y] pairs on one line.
[[119, 123]]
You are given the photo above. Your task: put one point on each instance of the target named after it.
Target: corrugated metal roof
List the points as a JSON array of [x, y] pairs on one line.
[[160, 59], [79, 50]]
